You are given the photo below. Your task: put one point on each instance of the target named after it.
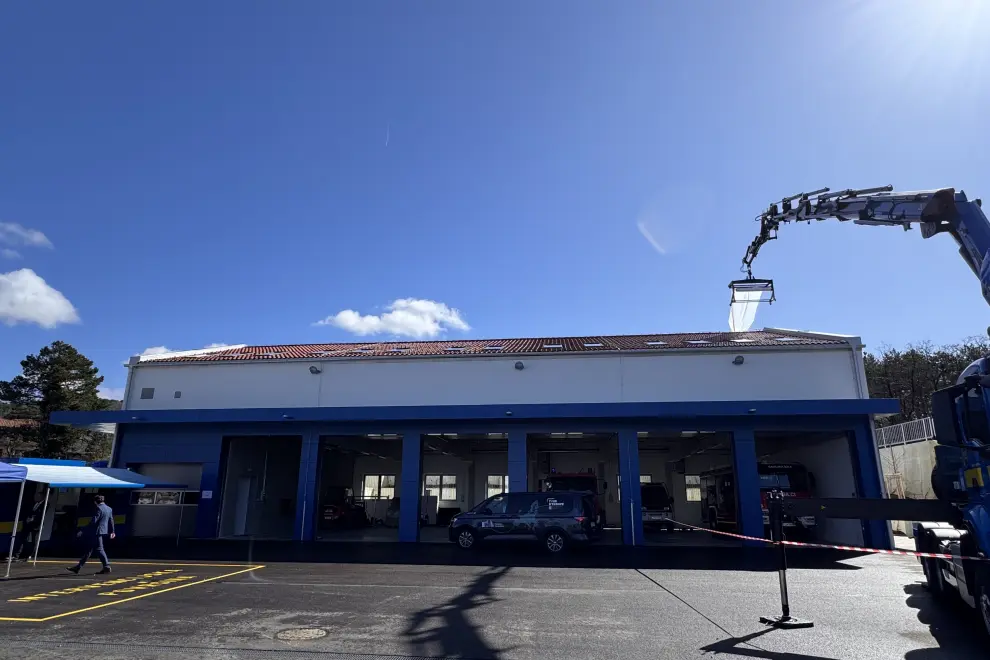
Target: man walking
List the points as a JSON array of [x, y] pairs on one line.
[[100, 526]]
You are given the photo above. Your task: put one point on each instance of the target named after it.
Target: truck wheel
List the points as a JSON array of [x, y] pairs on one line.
[[983, 598], [933, 575]]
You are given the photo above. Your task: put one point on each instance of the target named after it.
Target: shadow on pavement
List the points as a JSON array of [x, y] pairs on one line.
[[444, 630], [955, 627], [522, 555], [742, 646]]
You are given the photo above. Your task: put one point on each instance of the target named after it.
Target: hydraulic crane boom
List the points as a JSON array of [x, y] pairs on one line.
[[936, 211]]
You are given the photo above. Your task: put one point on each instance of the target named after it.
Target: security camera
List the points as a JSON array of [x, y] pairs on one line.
[[314, 370], [520, 366], [738, 360]]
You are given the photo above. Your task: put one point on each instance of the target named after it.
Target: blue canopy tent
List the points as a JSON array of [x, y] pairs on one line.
[[67, 474]]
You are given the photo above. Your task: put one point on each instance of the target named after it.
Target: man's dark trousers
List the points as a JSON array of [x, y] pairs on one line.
[[94, 543]]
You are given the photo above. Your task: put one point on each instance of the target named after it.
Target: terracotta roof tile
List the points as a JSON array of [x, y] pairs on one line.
[[521, 346], [17, 423]]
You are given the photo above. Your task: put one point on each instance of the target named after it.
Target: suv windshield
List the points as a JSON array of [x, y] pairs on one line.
[[589, 483], [655, 496]]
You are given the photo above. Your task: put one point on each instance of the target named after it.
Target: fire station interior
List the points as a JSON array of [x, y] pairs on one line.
[[826, 468], [359, 485], [359, 481], [260, 479], [696, 468]]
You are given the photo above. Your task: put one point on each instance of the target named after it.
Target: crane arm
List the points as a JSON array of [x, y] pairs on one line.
[[935, 211]]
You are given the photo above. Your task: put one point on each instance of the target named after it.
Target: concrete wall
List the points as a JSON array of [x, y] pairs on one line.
[[907, 471], [765, 375]]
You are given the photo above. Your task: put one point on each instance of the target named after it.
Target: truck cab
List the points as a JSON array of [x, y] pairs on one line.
[[960, 477]]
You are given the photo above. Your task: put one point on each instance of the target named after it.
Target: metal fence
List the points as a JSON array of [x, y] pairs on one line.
[[917, 430]]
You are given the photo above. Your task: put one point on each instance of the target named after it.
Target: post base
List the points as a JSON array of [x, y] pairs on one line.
[[786, 622]]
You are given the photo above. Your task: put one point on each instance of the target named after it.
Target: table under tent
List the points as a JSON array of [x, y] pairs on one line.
[[59, 474]]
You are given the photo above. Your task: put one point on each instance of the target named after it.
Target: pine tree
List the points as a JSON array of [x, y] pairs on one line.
[[58, 378]]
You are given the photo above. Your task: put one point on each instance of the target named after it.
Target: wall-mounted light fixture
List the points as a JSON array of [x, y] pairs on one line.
[[314, 370], [520, 366], [738, 360]]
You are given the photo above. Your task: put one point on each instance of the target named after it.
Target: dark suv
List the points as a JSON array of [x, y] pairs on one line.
[[555, 519]]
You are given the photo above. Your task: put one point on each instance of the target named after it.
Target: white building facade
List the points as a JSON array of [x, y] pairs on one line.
[[268, 436]]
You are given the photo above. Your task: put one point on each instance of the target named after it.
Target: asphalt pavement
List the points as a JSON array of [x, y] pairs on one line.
[[864, 607]]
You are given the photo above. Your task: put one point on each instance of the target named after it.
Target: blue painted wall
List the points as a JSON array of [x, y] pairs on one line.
[[175, 444]]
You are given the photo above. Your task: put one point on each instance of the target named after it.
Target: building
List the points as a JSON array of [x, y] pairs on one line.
[[267, 437]]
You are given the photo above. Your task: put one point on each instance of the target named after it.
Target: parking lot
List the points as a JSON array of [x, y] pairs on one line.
[[863, 607]]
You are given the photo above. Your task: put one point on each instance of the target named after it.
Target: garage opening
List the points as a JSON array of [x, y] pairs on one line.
[[261, 476], [358, 488], [460, 471], [673, 467], [583, 462], [811, 464]]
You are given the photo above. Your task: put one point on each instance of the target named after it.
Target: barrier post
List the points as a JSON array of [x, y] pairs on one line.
[[785, 620]]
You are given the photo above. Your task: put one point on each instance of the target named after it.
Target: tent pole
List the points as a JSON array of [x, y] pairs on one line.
[[178, 531], [13, 532], [41, 527]]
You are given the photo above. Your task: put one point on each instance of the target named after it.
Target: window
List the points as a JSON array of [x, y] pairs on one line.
[[168, 497], [378, 486], [692, 483], [643, 479], [496, 505], [147, 393], [553, 505], [441, 486], [448, 491], [523, 504], [497, 484], [165, 497]]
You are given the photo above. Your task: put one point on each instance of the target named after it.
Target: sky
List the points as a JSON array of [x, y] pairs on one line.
[[184, 174]]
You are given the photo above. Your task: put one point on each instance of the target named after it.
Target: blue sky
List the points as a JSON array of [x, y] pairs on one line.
[[233, 172]]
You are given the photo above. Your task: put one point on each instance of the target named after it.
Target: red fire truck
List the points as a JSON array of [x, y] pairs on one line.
[[718, 495], [582, 482]]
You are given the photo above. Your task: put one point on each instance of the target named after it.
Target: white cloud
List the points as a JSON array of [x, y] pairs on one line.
[[216, 345], [406, 317], [26, 298], [645, 231], [15, 234], [116, 393], [7, 253]]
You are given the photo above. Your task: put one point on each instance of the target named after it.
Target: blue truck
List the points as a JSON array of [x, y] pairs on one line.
[[958, 527]]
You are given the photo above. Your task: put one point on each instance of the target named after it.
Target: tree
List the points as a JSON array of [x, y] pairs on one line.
[[58, 378], [912, 374]]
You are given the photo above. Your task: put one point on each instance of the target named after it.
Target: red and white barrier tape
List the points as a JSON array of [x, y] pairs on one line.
[[850, 548]]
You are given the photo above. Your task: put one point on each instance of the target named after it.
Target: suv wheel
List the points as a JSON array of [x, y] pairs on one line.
[[555, 542], [466, 538]]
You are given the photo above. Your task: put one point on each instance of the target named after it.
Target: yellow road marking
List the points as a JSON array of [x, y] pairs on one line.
[[126, 600], [146, 563]]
